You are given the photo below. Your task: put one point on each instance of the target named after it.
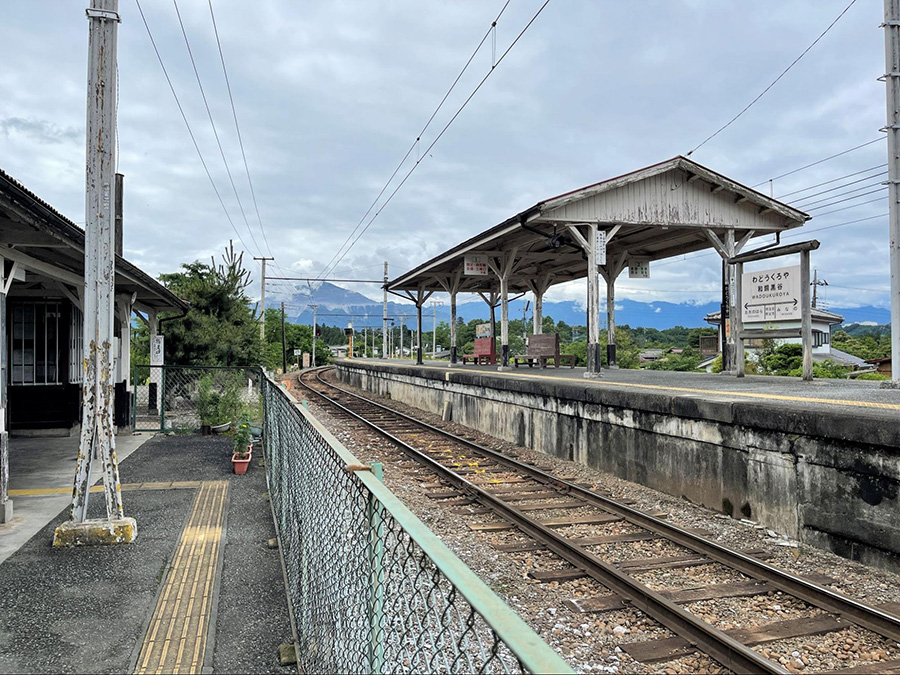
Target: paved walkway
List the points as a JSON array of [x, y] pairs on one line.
[[199, 591]]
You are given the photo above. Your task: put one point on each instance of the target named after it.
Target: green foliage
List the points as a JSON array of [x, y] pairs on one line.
[[679, 362], [783, 359], [218, 397], [873, 376], [716, 366], [865, 346], [578, 349], [220, 328], [242, 436], [830, 369]]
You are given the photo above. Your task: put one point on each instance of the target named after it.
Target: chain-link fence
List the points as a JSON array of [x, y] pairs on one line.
[[190, 398], [372, 589]]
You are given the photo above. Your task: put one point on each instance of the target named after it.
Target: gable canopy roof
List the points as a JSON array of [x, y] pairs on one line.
[[47, 244], [661, 211]]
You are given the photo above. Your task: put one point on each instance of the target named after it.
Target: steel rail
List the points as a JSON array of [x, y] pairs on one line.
[[717, 644], [853, 611]]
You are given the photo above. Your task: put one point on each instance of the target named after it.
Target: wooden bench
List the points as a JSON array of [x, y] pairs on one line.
[[541, 348], [483, 352]]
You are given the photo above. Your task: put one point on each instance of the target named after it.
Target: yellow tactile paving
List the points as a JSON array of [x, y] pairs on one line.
[[40, 492], [691, 390], [176, 638]]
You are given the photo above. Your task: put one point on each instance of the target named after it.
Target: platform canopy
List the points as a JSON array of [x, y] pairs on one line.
[[661, 211], [658, 212]]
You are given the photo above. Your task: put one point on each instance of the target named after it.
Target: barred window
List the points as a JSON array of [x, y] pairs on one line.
[[34, 343]]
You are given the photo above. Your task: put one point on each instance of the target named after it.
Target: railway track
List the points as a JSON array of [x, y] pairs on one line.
[[519, 496]]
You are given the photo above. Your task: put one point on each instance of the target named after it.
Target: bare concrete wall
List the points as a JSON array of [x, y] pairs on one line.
[[828, 480]]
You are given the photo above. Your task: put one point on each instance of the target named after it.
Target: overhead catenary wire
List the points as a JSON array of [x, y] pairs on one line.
[[446, 126], [212, 124], [820, 161], [837, 187], [830, 199], [774, 82], [415, 143], [189, 129], [828, 182]]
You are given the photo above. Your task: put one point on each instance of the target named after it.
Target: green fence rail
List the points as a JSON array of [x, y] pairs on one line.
[[187, 398], [371, 588]]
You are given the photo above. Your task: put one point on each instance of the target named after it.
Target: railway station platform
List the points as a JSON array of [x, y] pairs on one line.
[[818, 461]]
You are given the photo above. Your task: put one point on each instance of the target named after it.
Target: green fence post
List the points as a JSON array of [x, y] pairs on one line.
[[376, 590], [162, 399]]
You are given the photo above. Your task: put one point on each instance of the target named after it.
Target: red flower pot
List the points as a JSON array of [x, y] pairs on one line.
[[240, 465]]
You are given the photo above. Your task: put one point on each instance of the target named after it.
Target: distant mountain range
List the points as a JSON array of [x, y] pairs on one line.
[[338, 306]]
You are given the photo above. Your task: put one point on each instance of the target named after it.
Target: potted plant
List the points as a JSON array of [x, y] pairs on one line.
[[243, 447]]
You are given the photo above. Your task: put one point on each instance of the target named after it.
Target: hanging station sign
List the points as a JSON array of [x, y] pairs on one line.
[[771, 295], [639, 268], [600, 253], [475, 265]]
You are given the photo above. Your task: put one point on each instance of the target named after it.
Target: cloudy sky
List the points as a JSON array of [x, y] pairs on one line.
[[330, 95]]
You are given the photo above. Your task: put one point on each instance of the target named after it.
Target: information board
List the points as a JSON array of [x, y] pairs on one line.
[[639, 268], [600, 257], [475, 265], [771, 295], [483, 330]]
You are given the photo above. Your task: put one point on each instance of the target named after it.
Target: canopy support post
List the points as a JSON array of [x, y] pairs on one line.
[[610, 273]]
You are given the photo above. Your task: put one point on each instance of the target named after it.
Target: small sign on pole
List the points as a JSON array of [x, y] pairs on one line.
[[475, 265], [298, 352], [600, 257], [639, 268]]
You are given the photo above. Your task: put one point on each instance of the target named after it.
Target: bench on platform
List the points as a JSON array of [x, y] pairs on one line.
[[483, 352], [541, 348]]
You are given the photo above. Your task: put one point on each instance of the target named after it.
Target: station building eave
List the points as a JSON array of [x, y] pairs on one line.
[[661, 211], [48, 245]]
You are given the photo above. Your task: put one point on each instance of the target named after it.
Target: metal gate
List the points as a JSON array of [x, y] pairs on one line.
[[186, 398]]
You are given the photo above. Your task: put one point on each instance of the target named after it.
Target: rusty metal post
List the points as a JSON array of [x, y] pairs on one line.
[[97, 430]]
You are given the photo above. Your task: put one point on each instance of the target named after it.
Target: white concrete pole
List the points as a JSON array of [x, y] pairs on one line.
[[892, 84], [97, 429], [419, 360], [262, 299]]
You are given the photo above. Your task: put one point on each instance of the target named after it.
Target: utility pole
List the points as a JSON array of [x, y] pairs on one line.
[[892, 86], [815, 287], [283, 343], [98, 425], [262, 299], [315, 329], [384, 316]]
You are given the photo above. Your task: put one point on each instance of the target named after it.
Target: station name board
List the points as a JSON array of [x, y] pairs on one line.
[[771, 295]]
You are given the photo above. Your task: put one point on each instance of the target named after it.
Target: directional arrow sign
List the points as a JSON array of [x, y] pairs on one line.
[[771, 295]]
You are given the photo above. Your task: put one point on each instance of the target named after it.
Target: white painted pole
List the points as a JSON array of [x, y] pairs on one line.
[[806, 319], [593, 299], [538, 314], [97, 429], [892, 86], [504, 321]]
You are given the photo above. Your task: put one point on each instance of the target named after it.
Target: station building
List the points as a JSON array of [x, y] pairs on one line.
[[42, 283]]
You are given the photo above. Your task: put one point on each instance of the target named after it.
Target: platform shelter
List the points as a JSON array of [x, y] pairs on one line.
[[661, 211]]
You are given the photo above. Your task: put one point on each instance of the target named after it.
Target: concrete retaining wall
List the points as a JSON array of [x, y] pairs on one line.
[[831, 480]]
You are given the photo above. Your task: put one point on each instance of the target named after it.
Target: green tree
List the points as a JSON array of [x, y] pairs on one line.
[[220, 328], [295, 337]]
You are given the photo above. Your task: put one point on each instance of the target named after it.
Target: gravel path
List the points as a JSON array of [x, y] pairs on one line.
[[590, 642]]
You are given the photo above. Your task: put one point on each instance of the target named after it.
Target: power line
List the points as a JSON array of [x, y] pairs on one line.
[[418, 137], [447, 126], [828, 182], [188, 125], [816, 163], [213, 125], [852, 206], [842, 194], [775, 81], [837, 187]]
